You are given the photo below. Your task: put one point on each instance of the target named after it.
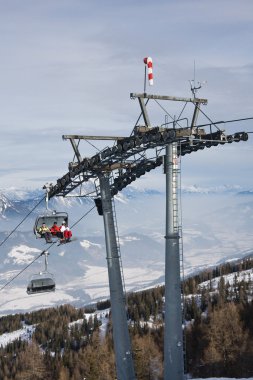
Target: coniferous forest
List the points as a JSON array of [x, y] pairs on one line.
[[66, 343]]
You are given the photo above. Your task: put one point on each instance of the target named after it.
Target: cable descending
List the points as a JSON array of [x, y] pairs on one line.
[[42, 252], [21, 221], [18, 274]]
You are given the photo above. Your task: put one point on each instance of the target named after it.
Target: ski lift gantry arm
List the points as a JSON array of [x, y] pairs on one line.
[[126, 155], [196, 101]]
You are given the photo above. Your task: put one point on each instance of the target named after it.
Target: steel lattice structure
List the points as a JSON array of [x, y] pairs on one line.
[[126, 160]]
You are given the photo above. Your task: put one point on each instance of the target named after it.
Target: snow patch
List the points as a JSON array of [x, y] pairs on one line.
[[126, 239], [24, 334], [86, 244], [21, 254]]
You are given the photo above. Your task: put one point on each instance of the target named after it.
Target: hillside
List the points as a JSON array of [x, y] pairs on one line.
[[84, 335]]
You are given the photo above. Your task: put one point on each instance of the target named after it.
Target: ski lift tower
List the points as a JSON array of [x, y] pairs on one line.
[[173, 335], [115, 168]]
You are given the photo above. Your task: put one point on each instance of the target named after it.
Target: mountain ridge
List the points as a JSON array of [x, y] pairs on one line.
[[15, 202], [216, 227]]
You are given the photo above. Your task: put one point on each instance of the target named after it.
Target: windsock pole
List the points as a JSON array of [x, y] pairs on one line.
[[145, 79]]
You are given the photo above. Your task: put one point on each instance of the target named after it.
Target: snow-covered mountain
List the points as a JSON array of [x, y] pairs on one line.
[[217, 226], [17, 202], [5, 206]]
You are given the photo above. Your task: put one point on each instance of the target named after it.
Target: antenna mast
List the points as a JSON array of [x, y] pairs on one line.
[[195, 88]]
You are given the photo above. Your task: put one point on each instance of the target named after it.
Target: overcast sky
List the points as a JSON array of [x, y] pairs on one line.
[[68, 67]]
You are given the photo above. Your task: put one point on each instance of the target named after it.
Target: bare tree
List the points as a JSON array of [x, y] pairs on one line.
[[32, 364], [227, 340]]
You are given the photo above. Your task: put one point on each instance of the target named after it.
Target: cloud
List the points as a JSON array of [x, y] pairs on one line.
[[68, 67]]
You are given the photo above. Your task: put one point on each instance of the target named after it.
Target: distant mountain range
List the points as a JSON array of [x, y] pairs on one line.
[[15, 202], [217, 226]]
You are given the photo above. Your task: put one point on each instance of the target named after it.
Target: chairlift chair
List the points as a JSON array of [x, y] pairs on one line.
[[49, 219], [41, 282]]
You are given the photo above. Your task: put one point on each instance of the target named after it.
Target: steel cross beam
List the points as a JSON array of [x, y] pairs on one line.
[[165, 97], [126, 156], [83, 137]]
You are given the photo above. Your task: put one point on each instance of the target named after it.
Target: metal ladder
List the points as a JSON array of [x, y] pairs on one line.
[[177, 207], [175, 173], [177, 227]]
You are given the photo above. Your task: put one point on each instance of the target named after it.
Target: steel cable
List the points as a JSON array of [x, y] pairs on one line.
[[36, 258], [21, 222]]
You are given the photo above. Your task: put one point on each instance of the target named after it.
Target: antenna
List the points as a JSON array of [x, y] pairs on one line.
[[194, 87]]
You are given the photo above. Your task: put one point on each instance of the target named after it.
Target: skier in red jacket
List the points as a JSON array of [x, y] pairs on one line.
[[55, 230], [66, 233]]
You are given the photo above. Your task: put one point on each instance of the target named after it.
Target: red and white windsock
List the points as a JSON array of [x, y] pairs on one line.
[[149, 63]]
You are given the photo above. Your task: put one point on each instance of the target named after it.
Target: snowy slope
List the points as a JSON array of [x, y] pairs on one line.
[[246, 276], [24, 334]]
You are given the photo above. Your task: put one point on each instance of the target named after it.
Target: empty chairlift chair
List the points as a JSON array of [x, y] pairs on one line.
[[41, 282]]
